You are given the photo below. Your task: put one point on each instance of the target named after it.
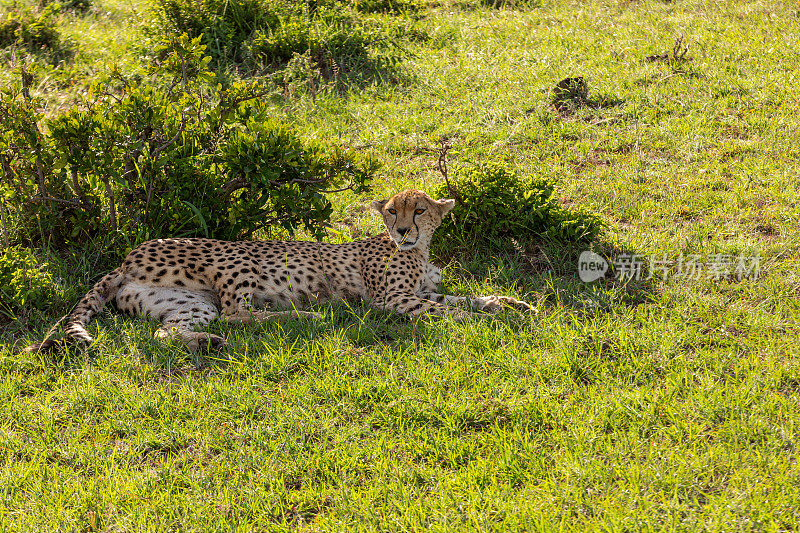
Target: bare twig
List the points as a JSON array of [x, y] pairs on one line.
[[239, 182], [40, 172], [441, 164], [171, 88], [118, 75], [680, 49], [54, 200], [676, 55], [330, 191], [232, 185], [306, 181], [3, 220], [170, 142]]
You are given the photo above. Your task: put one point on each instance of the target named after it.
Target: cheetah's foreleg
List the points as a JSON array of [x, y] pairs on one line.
[[486, 304], [413, 305]]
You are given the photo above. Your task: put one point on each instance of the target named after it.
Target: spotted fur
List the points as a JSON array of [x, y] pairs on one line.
[[187, 283]]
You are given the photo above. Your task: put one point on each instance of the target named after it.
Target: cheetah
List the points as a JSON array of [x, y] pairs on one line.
[[187, 283]]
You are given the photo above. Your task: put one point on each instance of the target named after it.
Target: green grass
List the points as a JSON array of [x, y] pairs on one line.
[[642, 406]]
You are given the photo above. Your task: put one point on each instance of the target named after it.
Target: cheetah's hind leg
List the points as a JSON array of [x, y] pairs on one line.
[[181, 313]]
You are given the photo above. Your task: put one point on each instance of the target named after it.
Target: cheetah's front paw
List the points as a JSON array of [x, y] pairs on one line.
[[493, 304]]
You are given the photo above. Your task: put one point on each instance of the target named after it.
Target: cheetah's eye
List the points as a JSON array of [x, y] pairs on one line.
[[393, 211], [418, 211]]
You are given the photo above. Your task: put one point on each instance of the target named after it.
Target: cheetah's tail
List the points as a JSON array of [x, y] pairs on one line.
[[91, 304]]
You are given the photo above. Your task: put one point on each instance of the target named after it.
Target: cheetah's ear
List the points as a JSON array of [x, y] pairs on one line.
[[446, 205], [377, 205]]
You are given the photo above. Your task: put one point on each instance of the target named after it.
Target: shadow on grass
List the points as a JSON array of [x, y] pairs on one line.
[[550, 273], [288, 343]]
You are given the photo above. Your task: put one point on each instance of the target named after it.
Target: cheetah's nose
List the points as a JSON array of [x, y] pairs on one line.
[[403, 231]]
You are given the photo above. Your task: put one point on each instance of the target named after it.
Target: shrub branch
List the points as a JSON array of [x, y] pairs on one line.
[[441, 164], [55, 200], [3, 221]]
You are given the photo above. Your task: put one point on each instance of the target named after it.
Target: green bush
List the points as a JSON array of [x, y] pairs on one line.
[[80, 6], [23, 282], [333, 40], [266, 34], [512, 4], [224, 25], [495, 204], [24, 26], [167, 155], [387, 6], [34, 30]]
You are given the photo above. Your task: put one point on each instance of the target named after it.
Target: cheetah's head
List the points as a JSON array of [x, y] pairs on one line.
[[411, 217]]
